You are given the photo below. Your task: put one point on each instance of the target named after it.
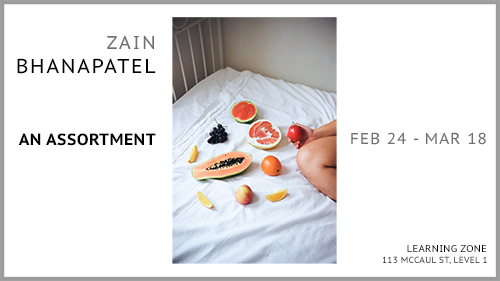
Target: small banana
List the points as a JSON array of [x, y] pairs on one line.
[[193, 154]]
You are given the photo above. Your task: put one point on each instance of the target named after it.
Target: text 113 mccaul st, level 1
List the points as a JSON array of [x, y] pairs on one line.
[[429, 138], [417, 259]]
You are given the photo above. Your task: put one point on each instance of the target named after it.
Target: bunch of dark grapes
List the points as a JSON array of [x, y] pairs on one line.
[[217, 135]]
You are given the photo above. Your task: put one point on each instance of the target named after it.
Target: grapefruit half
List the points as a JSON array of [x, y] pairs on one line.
[[263, 134]]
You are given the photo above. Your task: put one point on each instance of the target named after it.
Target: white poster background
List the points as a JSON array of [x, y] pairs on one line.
[[105, 210]]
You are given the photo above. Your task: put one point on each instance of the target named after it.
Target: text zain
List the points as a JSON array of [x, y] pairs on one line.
[[116, 42]]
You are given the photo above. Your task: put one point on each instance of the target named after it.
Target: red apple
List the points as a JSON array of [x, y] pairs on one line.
[[295, 132], [244, 194]]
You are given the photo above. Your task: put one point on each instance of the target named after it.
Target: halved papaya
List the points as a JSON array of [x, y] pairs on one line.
[[244, 111], [222, 166]]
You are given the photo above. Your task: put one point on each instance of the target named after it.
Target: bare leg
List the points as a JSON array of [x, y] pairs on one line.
[[318, 162]]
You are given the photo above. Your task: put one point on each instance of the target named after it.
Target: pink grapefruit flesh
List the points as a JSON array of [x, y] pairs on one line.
[[263, 134]]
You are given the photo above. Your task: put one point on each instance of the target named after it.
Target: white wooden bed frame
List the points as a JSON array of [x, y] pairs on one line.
[[187, 65]]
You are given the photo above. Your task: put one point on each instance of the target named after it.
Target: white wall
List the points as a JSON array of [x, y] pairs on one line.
[[298, 50]]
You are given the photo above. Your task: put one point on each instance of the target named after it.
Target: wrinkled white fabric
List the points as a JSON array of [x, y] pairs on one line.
[[301, 228]]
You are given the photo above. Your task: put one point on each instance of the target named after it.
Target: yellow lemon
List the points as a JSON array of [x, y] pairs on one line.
[[204, 201], [193, 154]]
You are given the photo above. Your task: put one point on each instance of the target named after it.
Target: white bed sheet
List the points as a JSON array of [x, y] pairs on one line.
[[302, 228]]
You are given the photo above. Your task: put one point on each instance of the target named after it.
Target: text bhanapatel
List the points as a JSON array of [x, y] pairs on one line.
[[82, 66]]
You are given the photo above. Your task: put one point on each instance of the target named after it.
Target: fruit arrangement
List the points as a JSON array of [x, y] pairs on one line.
[[262, 134]]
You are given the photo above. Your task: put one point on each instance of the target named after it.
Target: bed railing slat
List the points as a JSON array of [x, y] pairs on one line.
[[173, 92], [181, 63], [192, 57], [211, 43], [221, 56], [203, 51]]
